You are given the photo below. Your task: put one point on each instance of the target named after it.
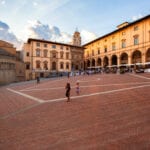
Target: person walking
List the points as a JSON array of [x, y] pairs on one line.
[[38, 79], [68, 88], [77, 88]]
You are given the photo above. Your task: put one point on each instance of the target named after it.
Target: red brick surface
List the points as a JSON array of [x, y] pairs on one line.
[[111, 121]]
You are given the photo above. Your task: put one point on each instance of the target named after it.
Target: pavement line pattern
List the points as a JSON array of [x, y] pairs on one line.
[[25, 95], [99, 93], [62, 99], [89, 80], [129, 83], [40, 84], [20, 111], [135, 75]]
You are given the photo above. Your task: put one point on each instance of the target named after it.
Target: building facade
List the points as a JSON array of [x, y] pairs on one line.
[[126, 46], [45, 58], [11, 68]]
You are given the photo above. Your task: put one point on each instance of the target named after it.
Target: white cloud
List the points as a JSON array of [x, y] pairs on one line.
[[35, 29], [87, 36], [136, 17], [7, 35], [35, 3], [2, 2]]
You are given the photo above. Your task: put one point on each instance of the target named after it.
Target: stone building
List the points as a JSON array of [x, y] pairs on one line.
[[11, 69], [128, 45], [45, 58]]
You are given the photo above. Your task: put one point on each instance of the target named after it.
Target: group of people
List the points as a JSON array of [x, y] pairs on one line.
[[68, 89]]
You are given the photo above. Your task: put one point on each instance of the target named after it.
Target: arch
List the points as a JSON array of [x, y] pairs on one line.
[[53, 65], [61, 65], [99, 62], [88, 63], [136, 57], [124, 58], [148, 55], [114, 60], [106, 62], [93, 62]]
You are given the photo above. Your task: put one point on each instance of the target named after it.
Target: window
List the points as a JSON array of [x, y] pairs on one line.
[[27, 54], [98, 52], [38, 44], [61, 65], [135, 28], [67, 65], [61, 55], [37, 52], [38, 64], [27, 66], [54, 55], [92, 52], [45, 45], [67, 48], [54, 46], [53, 65], [45, 65], [123, 33], [123, 43], [67, 55], [113, 46], [61, 47], [105, 49], [136, 40]]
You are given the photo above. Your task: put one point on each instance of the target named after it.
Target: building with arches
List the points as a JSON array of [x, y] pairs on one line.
[[128, 45], [45, 58]]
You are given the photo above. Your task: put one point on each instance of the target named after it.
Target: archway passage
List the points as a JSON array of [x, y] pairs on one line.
[[93, 62], [148, 55], [136, 57], [114, 60], [124, 58], [105, 61], [99, 62], [88, 63]]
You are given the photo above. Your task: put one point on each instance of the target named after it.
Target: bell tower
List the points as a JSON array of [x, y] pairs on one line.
[[76, 38]]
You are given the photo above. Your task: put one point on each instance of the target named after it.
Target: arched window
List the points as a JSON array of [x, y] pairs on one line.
[[61, 65], [54, 65], [67, 65], [45, 64], [38, 52], [38, 64]]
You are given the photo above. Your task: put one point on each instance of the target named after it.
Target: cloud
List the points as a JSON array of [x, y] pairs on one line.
[[87, 36], [2, 2], [7, 35], [36, 29], [136, 17], [35, 3]]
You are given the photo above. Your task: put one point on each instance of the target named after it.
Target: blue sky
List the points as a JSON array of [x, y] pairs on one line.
[[97, 16]]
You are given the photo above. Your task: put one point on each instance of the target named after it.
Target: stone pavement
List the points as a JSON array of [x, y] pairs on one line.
[[112, 112]]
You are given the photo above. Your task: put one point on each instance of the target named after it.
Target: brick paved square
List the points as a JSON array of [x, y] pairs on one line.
[[112, 112]]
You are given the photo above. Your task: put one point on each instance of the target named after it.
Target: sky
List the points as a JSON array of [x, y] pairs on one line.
[[94, 16]]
